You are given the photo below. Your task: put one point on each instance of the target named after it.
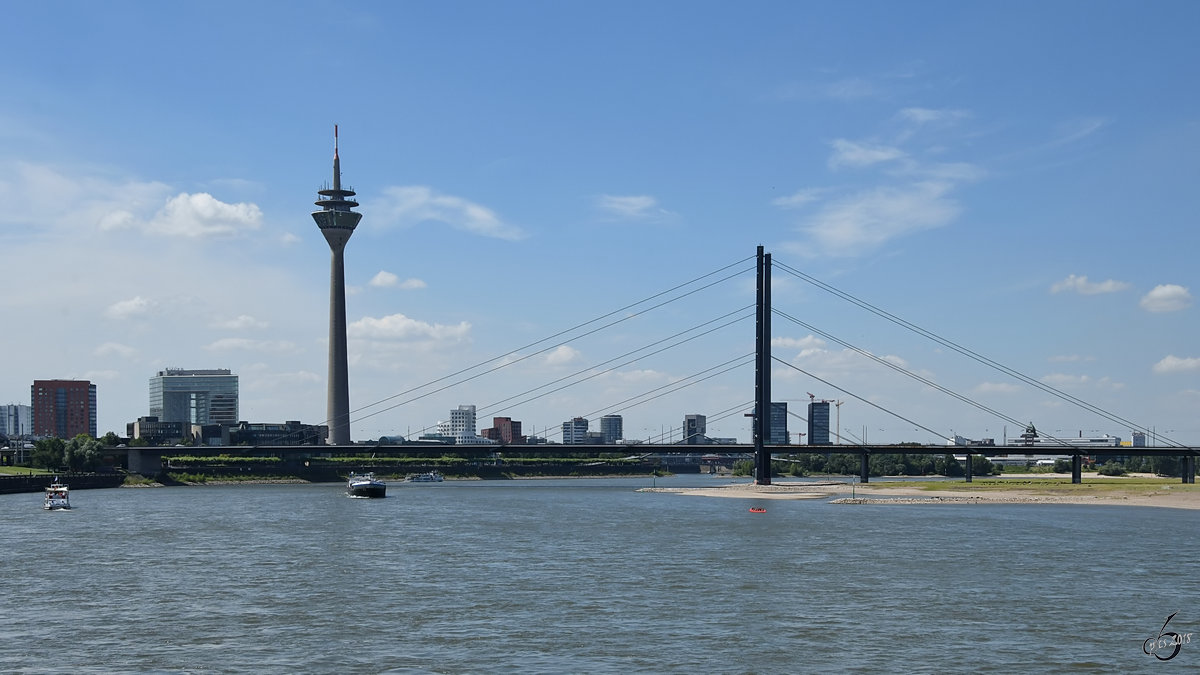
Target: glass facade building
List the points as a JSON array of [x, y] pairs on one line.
[[777, 429], [818, 423], [611, 429], [194, 396]]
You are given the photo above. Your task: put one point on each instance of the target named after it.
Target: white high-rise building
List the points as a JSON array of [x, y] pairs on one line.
[[461, 427], [16, 420], [575, 432]]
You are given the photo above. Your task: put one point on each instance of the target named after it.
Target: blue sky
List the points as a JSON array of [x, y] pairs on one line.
[[1018, 177]]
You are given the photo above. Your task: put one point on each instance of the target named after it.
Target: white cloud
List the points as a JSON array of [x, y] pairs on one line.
[[1063, 380], [1070, 358], [1167, 298], [115, 349], [849, 153], [1081, 285], [39, 193], [1175, 364], [401, 328], [927, 115], [806, 342], [127, 309], [241, 322], [245, 344], [384, 279], [408, 205], [799, 198], [868, 219], [562, 355], [632, 207], [1077, 129], [190, 215], [1066, 381], [997, 388]]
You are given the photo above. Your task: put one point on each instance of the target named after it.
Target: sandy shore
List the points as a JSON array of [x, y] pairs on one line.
[[1166, 495]]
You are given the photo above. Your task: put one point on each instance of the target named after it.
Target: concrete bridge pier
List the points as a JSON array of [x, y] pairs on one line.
[[1187, 468], [1076, 469], [864, 467], [969, 472], [145, 461]]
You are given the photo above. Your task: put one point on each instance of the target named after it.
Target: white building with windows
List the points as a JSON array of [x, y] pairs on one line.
[[575, 432], [462, 427], [16, 420]]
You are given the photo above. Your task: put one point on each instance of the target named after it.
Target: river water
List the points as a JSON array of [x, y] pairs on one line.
[[584, 576]]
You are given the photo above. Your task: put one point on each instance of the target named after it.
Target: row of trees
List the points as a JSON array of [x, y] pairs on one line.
[[901, 464], [81, 453]]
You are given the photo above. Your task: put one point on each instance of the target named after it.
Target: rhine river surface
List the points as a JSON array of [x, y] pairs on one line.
[[584, 576]]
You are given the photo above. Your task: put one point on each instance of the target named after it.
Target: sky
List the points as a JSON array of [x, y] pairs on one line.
[[1018, 178]]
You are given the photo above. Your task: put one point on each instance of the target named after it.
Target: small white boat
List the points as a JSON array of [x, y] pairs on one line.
[[365, 485], [427, 477], [58, 496]]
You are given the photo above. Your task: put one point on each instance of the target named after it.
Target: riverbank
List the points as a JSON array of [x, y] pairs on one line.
[[1021, 489]]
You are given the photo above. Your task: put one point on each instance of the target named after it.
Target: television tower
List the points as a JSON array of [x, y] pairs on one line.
[[337, 223]]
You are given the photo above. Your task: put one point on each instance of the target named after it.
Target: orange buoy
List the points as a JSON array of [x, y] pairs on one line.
[[757, 509]]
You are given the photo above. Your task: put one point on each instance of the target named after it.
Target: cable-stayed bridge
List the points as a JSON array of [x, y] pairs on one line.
[[762, 312]]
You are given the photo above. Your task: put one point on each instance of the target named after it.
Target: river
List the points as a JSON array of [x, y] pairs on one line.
[[583, 576]]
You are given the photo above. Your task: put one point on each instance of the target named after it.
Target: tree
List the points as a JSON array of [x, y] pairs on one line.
[[946, 465], [110, 439], [980, 466], [48, 453], [82, 453]]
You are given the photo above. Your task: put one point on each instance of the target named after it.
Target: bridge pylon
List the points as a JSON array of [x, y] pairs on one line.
[[762, 370]]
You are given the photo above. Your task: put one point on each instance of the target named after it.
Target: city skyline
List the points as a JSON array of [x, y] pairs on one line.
[[524, 169]]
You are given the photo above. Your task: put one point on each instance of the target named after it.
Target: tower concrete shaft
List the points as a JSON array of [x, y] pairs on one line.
[[337, 222]]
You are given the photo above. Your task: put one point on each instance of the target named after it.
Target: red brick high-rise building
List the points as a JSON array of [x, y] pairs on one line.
[[63, 408], [505, 430]]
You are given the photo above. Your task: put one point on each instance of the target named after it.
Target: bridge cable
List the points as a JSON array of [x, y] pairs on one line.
[[909, 373], [485, 408], [969, 353], [543, 340], [626, 354]]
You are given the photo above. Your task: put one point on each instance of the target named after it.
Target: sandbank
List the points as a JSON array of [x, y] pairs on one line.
[[1026, 490]]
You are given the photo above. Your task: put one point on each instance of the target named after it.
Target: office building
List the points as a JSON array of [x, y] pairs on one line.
[[16, 420], [461, 427], [818, 423], [194, 396], [611, 429], [575, 432], [63, 408], [777, 429], [694, 430], [504, 430]]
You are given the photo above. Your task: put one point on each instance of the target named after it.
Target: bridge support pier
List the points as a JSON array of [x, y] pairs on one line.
[[864, 468], [1076, 469], [144, 461], [1187, 468], [969, 471]]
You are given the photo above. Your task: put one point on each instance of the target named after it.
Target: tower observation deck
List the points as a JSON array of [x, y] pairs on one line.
[[337, 222]]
